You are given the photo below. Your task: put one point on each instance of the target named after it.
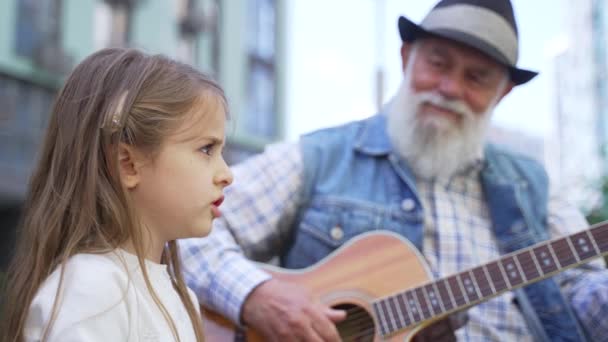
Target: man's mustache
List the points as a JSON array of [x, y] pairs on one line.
[[456, 106]]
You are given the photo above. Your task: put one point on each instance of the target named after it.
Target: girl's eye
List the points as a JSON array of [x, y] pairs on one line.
[[207, 149]]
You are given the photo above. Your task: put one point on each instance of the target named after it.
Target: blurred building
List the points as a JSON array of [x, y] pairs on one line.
[[518, 142], [581, 100], [239, 42]]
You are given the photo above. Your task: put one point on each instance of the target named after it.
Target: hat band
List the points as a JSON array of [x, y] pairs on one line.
[[478, 22]]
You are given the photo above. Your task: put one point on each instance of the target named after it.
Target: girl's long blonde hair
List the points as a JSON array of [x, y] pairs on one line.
[[75, 202]]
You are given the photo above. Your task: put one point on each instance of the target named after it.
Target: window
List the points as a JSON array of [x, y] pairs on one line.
[[23, 117], [198, 42], [38, 26], [113, 22], [260, 117]]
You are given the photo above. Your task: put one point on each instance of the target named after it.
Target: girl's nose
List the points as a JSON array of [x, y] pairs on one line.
[[224, 177]]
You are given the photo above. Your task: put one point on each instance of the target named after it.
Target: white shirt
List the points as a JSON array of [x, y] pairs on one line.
[[104, 298]]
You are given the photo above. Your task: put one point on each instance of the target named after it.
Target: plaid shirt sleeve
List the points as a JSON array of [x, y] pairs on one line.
[[256, 220], [585, 286]]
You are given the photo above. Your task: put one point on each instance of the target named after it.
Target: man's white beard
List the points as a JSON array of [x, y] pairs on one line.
[[435, 146]]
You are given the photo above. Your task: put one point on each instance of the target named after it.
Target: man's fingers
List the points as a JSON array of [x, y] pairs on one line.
[[323, 325], [314, 335], [335, 315], [296, 317]]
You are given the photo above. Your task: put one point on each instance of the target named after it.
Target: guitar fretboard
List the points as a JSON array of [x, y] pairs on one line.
[[464, 289]]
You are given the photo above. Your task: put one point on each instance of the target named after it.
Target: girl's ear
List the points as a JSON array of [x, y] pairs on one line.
[[129, 165]]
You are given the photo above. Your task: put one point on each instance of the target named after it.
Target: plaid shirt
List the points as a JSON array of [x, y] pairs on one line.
[[257, 216]]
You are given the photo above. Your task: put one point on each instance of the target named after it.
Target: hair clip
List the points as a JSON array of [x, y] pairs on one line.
[[115, 119]]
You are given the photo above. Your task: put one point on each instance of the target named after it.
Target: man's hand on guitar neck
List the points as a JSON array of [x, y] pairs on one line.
[[282, 311]]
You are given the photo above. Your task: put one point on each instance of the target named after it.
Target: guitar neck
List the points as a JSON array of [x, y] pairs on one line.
[[459, 291]]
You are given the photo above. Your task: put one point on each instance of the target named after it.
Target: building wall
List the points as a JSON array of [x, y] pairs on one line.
[[580, 162], [217, 41]]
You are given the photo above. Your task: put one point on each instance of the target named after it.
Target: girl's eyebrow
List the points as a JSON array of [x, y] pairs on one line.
[[212, 139], [189, 137]]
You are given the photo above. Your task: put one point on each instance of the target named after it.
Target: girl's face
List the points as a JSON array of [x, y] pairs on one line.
[[180, 190]]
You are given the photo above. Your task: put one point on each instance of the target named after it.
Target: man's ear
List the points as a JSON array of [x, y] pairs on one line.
[[129, 165], [507, 90], [406, 48]]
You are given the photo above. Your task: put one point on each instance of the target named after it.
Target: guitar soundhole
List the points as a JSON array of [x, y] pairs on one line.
[[358, 325]]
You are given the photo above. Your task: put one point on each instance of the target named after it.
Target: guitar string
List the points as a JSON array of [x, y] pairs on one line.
[[357, 327], [360, 318], [368, 330], [348, 327], [356, 314]]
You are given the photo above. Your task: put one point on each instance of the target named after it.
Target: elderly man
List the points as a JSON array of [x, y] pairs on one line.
[[421, 169]]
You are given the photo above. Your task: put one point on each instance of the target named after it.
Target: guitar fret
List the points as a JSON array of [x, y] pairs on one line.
[[574, 252], [469, 286], [481, 281], [438, 296], [555, 258], [504, 274], [425, 312], [476, 284], [443, 290], [512, 272], [427, 299], [600, 235], [464, 291], [563, 252], [388, 317], [583, 245], [413, 306], [528, 264], [485, 271], [402, 303], [538, 268], [592, 238], [483, 285], [521, 270], [455, 288], [381, 319], [545, 259], [497, 277], [401, 322]]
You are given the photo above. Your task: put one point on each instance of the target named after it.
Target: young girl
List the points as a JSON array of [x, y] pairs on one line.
[[131, 161]]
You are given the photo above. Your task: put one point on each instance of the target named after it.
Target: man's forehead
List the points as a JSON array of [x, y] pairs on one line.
[[439, 44]]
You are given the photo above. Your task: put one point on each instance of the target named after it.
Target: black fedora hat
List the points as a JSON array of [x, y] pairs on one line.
[[486, 25]]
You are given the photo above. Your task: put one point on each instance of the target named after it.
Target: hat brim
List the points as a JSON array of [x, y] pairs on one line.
[[410, 31]]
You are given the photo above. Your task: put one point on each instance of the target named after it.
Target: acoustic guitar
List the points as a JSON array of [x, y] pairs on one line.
[[383, 283]]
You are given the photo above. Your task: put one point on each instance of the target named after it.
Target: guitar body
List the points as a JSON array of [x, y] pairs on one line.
[[370, 266], [368, 274]]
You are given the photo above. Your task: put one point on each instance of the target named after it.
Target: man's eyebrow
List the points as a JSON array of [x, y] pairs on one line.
[[438, 50], [485, 71]]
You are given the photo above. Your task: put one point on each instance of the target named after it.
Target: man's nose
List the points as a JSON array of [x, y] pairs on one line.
[[451, 87]]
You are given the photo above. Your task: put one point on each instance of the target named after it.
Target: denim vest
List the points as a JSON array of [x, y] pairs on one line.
[[354, 184]]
